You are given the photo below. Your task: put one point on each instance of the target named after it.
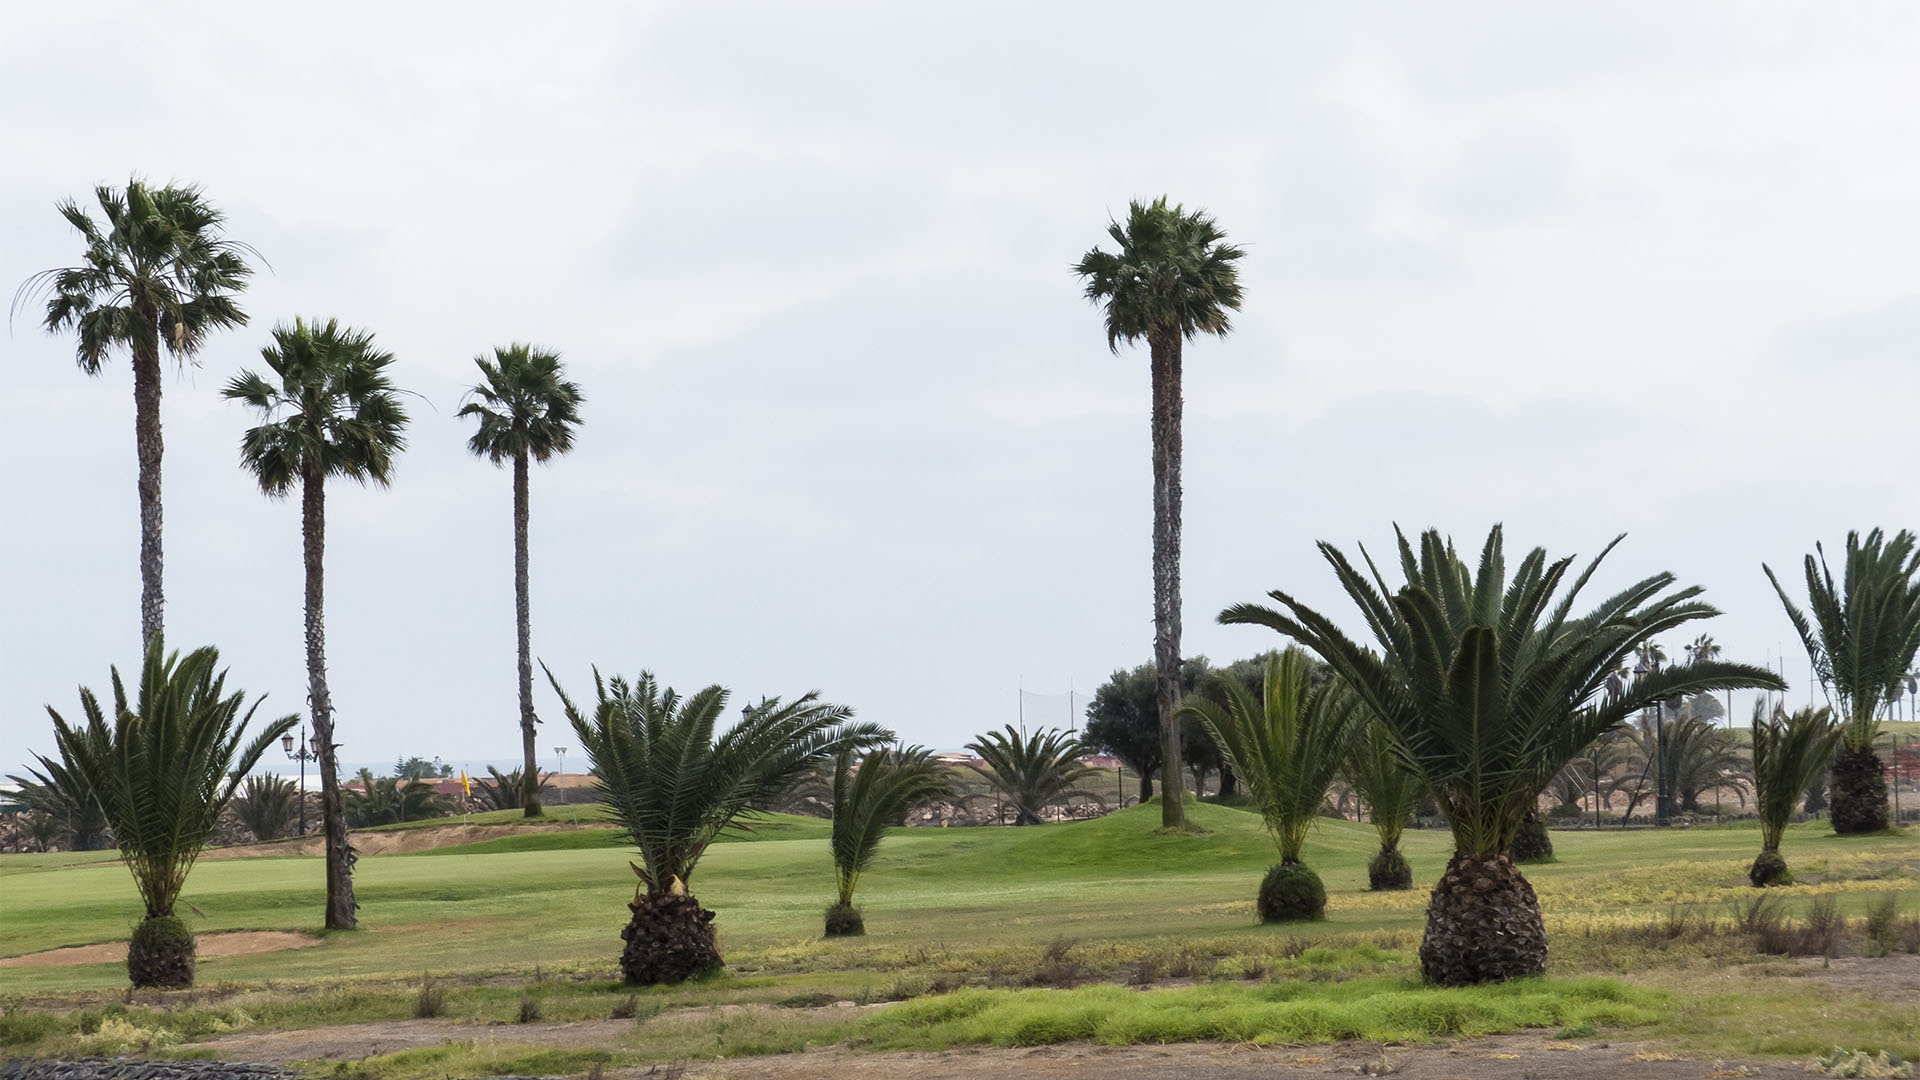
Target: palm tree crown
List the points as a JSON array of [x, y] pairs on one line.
[[1489, 685], [523, 404], [166, 763], [158, 273], [1173, 275], [674, 785], [870, 792], [1287, 745], [331, 409], [1863, 632], [1032, 771]]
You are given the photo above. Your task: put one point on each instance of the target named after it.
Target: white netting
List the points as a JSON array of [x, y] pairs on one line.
[[1060, 710]]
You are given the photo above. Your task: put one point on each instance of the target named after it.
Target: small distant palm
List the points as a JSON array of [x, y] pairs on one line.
[[1790, 751], [526, 409], [63, 798], [329, 410], [505, 790], [870, 793], [1031, 771], [267, 805]]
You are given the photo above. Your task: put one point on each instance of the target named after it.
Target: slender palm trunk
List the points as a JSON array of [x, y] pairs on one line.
[[1166, 570], [147, 445], [333, 815], [523, 610]]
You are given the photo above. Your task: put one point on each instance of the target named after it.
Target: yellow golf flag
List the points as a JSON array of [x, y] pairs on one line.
[[465, 787]]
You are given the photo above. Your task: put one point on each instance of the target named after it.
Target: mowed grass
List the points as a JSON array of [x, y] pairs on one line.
[[981, 912], [557, 900]]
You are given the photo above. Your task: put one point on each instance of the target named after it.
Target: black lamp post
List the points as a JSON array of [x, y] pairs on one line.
[[301, 755]]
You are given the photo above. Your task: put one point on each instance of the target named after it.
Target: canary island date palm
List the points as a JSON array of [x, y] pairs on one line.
[[871, 791], [674, 785], [1390, 791], [267, 805], [1861, 635], [328, 410], [525, 410], [1287, 745], [1491, 686], [505, 790], [1789, 750], [1173, 276], [63, 796], [157, 273], [1031, 771], [164, 764]]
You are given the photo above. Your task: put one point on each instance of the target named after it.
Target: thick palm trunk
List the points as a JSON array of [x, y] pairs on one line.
[[147, 446], [1146, 785], [670, 939], [1483, 924], [1166, 571], [333, 814], [1859, 794], [530, 772]]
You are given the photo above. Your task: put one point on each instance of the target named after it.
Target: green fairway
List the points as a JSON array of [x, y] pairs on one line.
[[992, 910], [558, 899]]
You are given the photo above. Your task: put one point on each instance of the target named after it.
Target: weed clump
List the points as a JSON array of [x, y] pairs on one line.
[[430, 1002], [529, 1009]]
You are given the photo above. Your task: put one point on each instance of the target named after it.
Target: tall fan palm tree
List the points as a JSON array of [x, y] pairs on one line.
[[1391, 793], [674, 786], [526, 409], [1031, 771], [1174, 276], [156, 273], [1287, 745], [164, 765], [871, 792], [329, 410], [1789, 750], [1861, 636], [1491, 687]]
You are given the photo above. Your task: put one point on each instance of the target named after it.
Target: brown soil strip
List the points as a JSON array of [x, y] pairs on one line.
[[208, 947]]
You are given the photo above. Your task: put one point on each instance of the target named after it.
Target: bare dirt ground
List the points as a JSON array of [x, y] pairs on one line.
[[234, 943], [1504, 1057]]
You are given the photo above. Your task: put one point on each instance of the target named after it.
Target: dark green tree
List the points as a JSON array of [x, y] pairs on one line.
[[1491, 686], [1173, 276], [674, 786], [164, 764], [157, 272], [63, 797], [329, 410], [526, 409], [871, 791], [1861, 635]]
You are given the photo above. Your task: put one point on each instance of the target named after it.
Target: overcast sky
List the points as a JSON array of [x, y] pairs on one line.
[[1625, 267]]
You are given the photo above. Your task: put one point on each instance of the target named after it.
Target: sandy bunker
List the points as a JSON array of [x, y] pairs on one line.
[[231, 943]]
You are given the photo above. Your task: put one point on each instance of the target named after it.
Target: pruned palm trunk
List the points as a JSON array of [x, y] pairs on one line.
[[333, 815], [523, 607], [1483, 924], [1166, 571], [1858, 801], [147, 446], [669, 940], [1389, 871]]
